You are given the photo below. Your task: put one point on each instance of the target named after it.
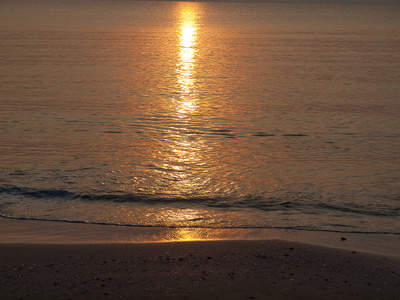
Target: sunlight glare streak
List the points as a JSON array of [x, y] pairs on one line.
[[184, 152], [186, 66]]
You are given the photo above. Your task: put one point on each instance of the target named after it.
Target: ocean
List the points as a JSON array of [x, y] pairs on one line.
[[201, 114]]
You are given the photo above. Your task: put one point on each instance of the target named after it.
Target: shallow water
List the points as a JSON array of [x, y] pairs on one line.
[[201, 114]]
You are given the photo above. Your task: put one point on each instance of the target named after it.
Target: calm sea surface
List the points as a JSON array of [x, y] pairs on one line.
[[201, 114]]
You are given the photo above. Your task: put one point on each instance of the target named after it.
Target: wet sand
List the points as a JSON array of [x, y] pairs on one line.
[[268, 269]]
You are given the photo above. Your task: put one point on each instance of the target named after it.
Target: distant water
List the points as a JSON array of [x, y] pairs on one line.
[[201, 114]]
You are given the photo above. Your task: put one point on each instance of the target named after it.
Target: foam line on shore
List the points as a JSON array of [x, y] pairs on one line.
[[198, 227]]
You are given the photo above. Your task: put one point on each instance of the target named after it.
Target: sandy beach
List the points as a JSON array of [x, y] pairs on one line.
[[199, 150], [195, 270], [225, 269]]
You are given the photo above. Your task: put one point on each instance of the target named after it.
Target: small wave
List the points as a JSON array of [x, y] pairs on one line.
[[294, 134], [263, 134], [38, 193], [294, 228], [308, 203], [389, 212]]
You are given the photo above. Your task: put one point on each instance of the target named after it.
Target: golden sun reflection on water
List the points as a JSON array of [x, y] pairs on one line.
[[182, 152], [187, 62]]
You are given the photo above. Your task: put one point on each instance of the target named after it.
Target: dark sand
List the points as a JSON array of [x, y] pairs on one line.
[[266, 269]]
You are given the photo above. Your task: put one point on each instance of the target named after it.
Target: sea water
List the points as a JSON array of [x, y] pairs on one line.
[[202, 115]]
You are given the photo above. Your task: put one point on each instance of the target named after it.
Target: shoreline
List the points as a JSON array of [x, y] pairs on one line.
[[47, 232]]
